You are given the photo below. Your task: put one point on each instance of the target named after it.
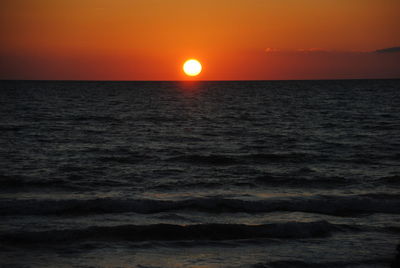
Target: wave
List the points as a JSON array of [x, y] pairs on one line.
[[278, 157], [94, 118], [302, 181], [331, 205], [70, 182], [76, 178], [123, 159], [12, 127], [395, 180], [18, 181], [205, 159], [170, 232], [219, 159], [334, 264], [79, 181], [288, 157]]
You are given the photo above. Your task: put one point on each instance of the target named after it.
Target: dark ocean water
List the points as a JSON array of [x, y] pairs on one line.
[[199, 174]]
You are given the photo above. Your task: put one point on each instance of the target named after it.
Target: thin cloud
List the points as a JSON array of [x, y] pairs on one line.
[[303, 50], [388, 50], [327, 51]]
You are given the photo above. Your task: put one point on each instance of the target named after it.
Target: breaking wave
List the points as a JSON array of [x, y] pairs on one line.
[[322, 204], [171, 232]]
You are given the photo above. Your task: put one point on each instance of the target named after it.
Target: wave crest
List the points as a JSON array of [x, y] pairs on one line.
[[331, 205], [171, 232]]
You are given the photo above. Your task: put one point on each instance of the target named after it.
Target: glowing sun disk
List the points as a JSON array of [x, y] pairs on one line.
[[192, 67]]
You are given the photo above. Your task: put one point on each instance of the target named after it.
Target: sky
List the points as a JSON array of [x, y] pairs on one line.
[[233, 39]]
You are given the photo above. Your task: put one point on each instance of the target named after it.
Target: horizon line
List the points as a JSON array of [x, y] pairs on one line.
[[211, 80]]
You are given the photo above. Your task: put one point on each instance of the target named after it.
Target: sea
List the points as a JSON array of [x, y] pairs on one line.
[[199, 174]]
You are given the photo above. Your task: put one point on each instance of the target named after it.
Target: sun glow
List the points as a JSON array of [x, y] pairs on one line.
[[192, 67]]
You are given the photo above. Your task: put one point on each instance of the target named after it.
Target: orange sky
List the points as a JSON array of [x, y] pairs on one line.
[[234, 39]]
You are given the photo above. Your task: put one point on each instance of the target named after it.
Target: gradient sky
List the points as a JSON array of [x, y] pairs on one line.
[[234, 39]]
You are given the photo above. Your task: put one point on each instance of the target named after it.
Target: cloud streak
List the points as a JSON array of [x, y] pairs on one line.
[[388, 50], [299, 50], [327, 51], [316, 63]]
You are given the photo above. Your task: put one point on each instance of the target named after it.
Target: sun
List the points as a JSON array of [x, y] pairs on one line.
[[192, 67]]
